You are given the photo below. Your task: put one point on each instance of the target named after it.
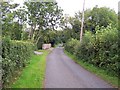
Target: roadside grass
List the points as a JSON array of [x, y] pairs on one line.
[[33, 75], [113, 80]]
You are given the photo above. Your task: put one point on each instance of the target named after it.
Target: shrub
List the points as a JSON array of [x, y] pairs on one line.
[[15, 56], [99, 49], [107, 47], [71, 44]]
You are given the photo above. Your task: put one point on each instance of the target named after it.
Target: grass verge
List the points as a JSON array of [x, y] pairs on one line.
[[33, 75], [113, 80]]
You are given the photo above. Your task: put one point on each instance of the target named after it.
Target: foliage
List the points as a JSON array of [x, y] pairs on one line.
[[44, 15], [118, 20], [12, 20], [7, 17], [113, 80], [102, 16], [71, 45], [71, 26], [48, 36], [33, 75], [15, 56], [55, 37], [100, 49]]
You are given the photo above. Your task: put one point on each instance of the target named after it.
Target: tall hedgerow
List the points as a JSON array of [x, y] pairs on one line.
[[99, 49], [15, 56]]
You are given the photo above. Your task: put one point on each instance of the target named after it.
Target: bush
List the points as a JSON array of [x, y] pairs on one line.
[[71, 45], [99, 49], [107, 48], [15, 56]]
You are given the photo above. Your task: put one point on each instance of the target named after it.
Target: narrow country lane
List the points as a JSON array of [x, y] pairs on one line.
[[62, 72]]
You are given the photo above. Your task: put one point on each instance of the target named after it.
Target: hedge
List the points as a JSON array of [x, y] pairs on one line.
[[99, 49], [15, 56]]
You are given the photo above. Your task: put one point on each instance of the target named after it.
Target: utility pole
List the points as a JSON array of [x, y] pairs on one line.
[[82, 21]]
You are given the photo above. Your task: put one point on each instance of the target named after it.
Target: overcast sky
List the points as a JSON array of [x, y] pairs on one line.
[[72, 6]]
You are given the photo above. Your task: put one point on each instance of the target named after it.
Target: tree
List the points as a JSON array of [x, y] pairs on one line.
[[16, 32], [7, 17], [21, 15], [12, 20], [66, 21], [102, 16], [118, 20], [71, 25], [44, 15]]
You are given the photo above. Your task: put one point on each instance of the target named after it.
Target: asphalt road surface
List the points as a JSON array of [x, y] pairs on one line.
[[62, 72]]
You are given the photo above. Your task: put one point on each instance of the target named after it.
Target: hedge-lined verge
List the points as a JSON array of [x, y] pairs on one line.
[[99, 49], [15, 56], [34, 74]]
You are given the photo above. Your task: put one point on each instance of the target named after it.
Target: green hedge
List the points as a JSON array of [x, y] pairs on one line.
[[99, 49], [71, 45], [15, 56]]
